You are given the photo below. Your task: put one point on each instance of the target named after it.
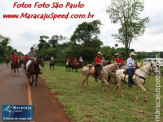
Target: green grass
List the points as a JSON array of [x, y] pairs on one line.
[[94, 105]]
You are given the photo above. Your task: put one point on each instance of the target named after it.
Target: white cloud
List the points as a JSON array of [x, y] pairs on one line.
[[24, 33]]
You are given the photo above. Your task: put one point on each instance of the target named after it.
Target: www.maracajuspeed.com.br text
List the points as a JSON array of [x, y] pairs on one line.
[[44, 16]]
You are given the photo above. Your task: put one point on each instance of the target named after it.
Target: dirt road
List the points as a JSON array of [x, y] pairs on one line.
[[14, 90]]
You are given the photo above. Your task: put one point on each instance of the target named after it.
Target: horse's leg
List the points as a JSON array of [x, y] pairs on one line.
[[137, 91], [50, 67], [32, 79], [145, 91], [14, 71], [28, 76], [119, 86], [11, 69], [87, 82], [105, 81], [36, 79], [18, 70]]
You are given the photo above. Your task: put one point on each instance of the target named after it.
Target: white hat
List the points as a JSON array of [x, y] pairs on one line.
[[99, 53], [132, 54]]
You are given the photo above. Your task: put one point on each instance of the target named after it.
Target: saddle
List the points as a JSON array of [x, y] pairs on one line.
[[125, 76], [92, 69]]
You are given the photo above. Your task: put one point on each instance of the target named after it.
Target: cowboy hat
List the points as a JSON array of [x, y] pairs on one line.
[[99, 53], [132, 54]]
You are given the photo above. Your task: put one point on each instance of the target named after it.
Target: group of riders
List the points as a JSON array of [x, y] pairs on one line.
[[27, 59], [75, 61], [130, 65], [98, 63]]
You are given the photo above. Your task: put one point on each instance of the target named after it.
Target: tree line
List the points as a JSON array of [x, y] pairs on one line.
[[83, 42]]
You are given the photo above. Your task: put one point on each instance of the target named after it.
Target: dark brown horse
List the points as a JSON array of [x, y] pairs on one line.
[[15, 66], [34, 69], [69, 66], [52, 64]]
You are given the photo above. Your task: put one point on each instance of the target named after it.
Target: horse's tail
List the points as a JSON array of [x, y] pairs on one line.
[[14, 70]]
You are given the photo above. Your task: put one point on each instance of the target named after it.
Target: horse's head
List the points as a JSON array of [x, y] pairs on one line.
[[154, 68], [40, 61]]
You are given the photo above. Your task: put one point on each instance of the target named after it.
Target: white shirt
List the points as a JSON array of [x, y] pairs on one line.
[[130, 62]]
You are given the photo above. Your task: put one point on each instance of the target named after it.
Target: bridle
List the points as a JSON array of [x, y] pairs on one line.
[[146, 73]]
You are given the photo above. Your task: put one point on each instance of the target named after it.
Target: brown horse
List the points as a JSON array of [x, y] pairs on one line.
[[34, 69], [81, 65], [7, 61], [15, 65], [75, 66], [52, 64]]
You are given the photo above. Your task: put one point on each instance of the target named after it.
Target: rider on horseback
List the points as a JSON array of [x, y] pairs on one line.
[[98, 65], [130, 68], [26, 57], [80, 61], [32, 57], [14, 57], [119, 59], [75, 61]]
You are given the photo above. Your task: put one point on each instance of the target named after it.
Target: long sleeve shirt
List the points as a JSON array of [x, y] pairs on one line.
[[130, 62]]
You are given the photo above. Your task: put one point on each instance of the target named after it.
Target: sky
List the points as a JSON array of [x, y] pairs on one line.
[[25, 33]]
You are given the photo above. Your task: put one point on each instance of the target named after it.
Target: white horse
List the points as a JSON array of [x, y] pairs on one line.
[[106, 70], [140, 75]]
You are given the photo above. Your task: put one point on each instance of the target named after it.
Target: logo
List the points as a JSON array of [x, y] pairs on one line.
[[17, 112]]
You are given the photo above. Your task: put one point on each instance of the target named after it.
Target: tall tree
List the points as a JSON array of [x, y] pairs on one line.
[[86, 34], [127, 13]]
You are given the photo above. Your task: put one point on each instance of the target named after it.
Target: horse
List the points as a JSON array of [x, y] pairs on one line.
[[52, 64], [7, 61], [75, 66], [105, 71], [15, 65], [69, 66], [139, 80], [34, 69], [82, 64]]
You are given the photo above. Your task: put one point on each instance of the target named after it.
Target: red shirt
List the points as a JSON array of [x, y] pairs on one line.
[[121, 61], [26, 57], [68, 59], [117, 60], [14, 57], [97, 60], [75, 60]]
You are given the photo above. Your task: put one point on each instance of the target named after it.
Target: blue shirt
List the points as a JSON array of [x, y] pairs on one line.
[[130, 62]]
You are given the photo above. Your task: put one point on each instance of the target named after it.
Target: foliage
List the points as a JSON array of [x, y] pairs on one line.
[[127, 13], [5, 49]]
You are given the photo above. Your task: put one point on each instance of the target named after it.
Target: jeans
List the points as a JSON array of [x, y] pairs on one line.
[[97, 67], [130, 72]]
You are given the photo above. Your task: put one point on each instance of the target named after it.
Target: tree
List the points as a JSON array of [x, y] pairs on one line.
[[86, 34], [55, 39], [127, 13]]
